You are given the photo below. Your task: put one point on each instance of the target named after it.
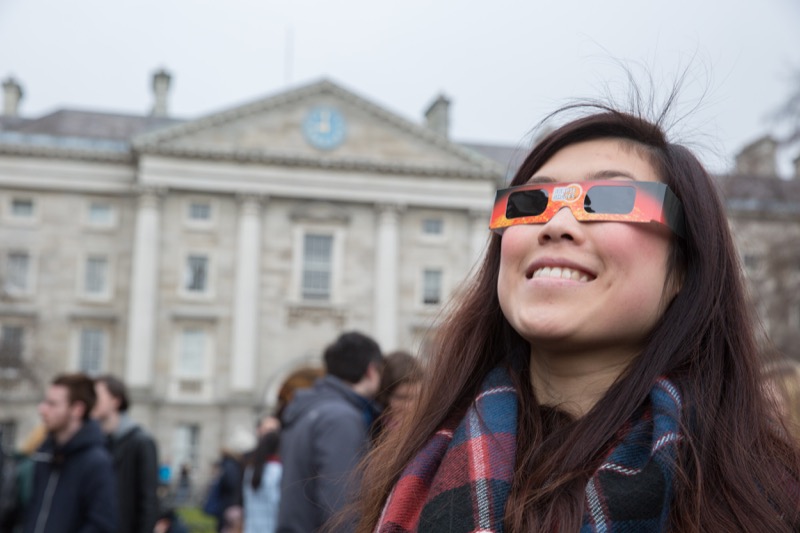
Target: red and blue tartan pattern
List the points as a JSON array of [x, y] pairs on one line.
[[460, 481]]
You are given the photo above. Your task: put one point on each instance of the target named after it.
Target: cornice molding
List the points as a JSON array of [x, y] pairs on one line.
[[52, 152], [294, 160]]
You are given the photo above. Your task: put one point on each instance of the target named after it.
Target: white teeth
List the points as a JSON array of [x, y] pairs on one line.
[[560, 273]]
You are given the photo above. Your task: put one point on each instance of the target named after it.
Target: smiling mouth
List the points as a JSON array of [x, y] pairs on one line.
[[559, 273]]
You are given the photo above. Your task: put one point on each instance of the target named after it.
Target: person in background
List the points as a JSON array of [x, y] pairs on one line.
[[224, 501], [261, 485], [22, 484], [326, 433], [134, 453], [399, 389], [74, 487], [601, 372]]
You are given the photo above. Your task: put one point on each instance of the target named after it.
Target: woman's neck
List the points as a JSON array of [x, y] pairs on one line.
[[575, 382]]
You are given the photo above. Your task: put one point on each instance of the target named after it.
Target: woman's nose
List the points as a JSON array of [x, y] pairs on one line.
[[562, 227]]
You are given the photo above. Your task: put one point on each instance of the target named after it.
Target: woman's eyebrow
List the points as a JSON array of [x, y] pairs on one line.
[[542, 179], [605, 174]]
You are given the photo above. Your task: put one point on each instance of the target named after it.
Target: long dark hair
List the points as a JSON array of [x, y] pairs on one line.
[[267, 446], [737, 470]]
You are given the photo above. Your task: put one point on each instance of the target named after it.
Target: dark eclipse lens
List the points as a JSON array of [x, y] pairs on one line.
[[609, 200], [526, 204]]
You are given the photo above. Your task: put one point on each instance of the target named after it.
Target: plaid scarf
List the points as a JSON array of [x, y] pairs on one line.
[[460, 481]]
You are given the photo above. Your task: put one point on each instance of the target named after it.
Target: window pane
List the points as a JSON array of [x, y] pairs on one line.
[[96, 274], [200, 211], [12, 346], [22, 207], [100, 214], [192, 357], [432, 287], [432, 226], [317, 267], [196, 273], [90, 358], [18, 265]]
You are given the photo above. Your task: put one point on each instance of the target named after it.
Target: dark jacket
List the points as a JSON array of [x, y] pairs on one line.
[[325, 434], [74, 488], [136, 467]]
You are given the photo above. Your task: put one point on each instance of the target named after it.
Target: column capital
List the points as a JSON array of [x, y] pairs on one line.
[[390, 209], [244, 198], [149, 195]]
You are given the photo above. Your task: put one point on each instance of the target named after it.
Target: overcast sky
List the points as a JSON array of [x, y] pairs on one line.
[[504, 64]]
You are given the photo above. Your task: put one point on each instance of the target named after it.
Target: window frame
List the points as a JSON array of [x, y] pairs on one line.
[[423, 289], [28, 290], [178, 374], [105, 346], [199, 224], [15, 218], [337, 236], [108, 290], [113, 214], [209, 291], [23, 341]]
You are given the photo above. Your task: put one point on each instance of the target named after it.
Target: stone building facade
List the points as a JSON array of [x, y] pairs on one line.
[[203, 260]]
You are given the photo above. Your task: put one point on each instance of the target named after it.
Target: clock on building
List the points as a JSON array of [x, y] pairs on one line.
[[324, 128]]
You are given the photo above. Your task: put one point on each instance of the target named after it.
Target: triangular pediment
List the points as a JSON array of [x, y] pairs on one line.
[[320, 124]]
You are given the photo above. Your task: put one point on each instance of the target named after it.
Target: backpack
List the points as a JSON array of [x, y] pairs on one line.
[[213, 504]]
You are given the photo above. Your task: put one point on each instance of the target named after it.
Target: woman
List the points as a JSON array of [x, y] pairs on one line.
[[399, 389], [262, 482], [600, 373]]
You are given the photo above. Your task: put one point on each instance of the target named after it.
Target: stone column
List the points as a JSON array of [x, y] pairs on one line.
[[386, 280], [244, 349], [144, 292]]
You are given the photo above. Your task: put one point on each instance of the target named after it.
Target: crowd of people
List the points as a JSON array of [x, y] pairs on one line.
[[601, 372], [90, 467]]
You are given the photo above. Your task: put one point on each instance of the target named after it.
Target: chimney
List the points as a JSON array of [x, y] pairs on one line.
[[758, 158], [437, 117], [161, 81], [12, 94]]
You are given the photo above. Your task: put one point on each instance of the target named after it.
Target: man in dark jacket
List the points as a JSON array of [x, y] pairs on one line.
[[326, 433], [134, 454], [74, 487]]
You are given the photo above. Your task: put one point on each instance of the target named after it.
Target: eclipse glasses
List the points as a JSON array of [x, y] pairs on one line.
[[589, 201]]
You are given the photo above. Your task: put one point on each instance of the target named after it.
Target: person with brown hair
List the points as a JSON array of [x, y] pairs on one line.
[[399, 388], [74, 487], [600, 372]]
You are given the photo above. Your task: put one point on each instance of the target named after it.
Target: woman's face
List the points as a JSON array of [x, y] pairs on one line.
[[569, 286]]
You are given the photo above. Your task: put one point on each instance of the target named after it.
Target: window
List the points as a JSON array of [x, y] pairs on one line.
[[22, 207], [317, 267], [196, 273], [186, 446], [191, 359], [432, 287], [12, 346], [100, 214], [18, 272], [200, 211], [8, 432], [95, 279], [432, 226], [91, 351]]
